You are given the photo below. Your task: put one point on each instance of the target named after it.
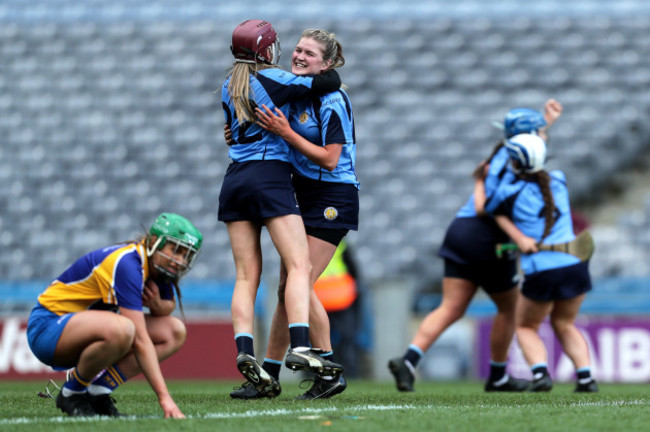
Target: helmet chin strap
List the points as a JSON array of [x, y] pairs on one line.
[[152, 249]]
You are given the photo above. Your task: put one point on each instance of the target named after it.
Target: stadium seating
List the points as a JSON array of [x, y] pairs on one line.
[[108, 116]]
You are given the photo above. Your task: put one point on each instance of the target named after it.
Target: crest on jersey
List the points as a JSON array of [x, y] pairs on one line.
[[303, 118], [331, 213]]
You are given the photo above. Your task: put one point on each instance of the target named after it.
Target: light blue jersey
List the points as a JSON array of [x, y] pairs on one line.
[[498, 172], [325, 120], [274, 88], [523, 203]]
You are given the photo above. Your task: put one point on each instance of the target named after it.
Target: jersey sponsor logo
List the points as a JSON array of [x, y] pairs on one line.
[[331, 213], [303, 118]]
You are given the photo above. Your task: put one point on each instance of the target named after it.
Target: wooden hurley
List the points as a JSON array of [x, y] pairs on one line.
[[582, 246]]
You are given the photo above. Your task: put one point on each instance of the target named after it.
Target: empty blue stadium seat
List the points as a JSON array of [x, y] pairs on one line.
[[110, 115]]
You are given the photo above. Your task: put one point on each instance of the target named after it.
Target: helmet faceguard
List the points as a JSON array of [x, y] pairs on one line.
[[176, 246], [522, 120], [528, 153], [251, 40]]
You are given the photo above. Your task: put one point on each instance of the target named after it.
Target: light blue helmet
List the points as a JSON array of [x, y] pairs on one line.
[[529, 151], [522, 120]]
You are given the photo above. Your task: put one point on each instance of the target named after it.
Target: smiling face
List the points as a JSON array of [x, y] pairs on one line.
[[307, 58]]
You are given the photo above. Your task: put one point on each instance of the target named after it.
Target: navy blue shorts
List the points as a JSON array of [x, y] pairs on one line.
[[44, 329], [470, 240], [257, 190], [330, 235], [326, 204], [563, 283], [494, 276]]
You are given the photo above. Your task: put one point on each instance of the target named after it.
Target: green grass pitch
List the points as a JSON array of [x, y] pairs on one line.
[[365, 406]]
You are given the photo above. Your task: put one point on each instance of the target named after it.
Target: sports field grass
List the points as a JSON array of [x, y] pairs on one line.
[[365, 406]]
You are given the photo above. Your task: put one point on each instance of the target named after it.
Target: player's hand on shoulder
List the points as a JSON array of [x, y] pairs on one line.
[[273, 121]]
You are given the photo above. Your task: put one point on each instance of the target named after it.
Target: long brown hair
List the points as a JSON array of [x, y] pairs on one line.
[[478, 171], [543, 179], [240, 90]]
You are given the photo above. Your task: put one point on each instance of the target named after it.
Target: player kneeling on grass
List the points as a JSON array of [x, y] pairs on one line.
[[91, 317]]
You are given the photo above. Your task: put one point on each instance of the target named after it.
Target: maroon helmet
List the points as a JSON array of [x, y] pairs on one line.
[[251, 39]]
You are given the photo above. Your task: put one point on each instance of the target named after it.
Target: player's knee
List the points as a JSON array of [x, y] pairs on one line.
[[300, 267], [560, 325], [129, 333], [453, 312], [178, 332], [120, 333], [243, 312]]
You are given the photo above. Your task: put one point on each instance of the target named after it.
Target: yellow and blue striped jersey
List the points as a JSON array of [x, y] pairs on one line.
[[114, 274]]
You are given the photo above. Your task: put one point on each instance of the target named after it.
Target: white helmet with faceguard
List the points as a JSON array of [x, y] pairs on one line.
[[528, 153]]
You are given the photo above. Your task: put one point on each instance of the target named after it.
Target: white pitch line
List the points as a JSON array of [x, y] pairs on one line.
[[229, 415], [295, 412], [280, 412]]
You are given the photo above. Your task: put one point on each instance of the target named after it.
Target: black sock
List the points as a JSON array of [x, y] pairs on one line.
[[497, 371], [584, 375], [329, 355], [539, 371], [244, 342], [272, 367], [413, 355], [299, 334]]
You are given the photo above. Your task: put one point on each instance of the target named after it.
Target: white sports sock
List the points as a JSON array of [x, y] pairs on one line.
[[97, 390], [67, 392]]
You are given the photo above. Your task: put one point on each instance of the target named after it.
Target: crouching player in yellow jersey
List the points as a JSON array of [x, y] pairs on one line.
[[91, 317]]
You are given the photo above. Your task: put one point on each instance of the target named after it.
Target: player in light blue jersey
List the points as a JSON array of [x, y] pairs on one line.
[[257, 191], [323, 121], [320, 131], [470, 260], [535, 209]]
